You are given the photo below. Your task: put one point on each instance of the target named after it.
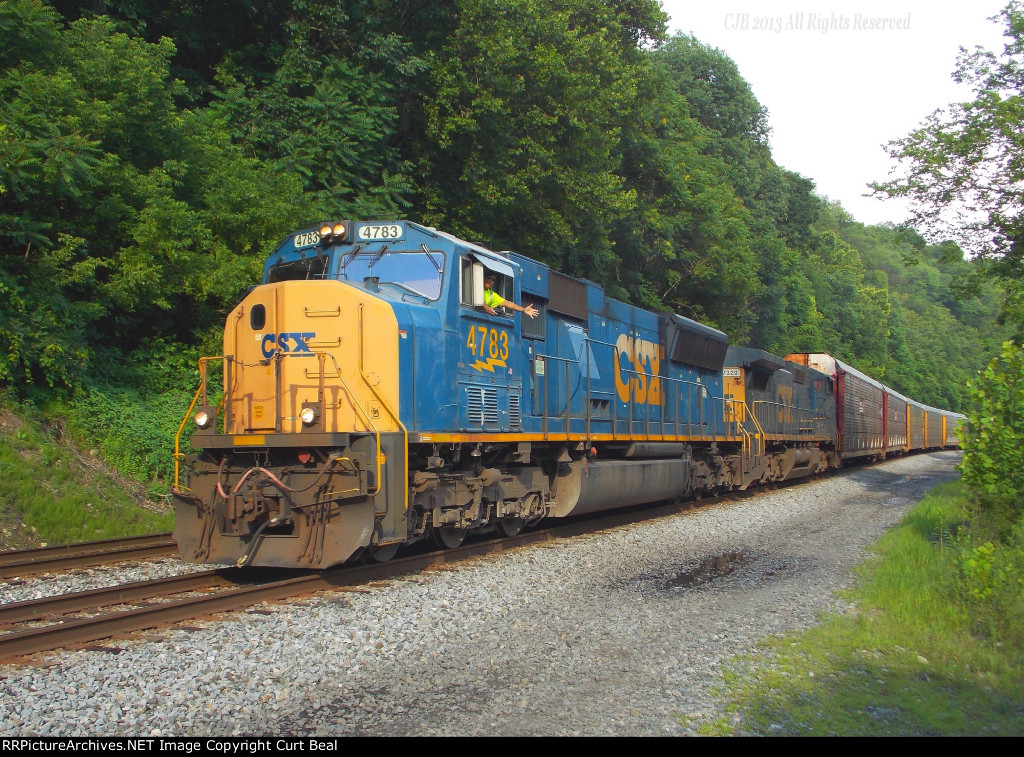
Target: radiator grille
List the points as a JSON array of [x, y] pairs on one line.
[[513, 411], [481, 405]]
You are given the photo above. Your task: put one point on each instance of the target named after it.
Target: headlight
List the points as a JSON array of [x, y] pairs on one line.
[[203, 419], [335, 232], [308, 415]]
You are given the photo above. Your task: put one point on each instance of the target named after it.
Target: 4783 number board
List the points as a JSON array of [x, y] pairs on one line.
[[389, 232], [488, 348]]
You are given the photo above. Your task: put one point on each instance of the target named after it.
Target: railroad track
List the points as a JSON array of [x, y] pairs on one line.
[[51, 559], [77, 619]]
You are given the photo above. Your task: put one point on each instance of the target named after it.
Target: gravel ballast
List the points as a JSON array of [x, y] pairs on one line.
[[618, 633]]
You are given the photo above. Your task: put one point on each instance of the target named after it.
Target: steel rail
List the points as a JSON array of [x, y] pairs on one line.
[[29, 562], [91, 599]]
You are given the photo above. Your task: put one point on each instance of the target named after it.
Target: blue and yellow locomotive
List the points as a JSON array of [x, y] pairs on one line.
[[371, 401]]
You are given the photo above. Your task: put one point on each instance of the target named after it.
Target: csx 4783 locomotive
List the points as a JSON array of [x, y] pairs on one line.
[[370, 401]]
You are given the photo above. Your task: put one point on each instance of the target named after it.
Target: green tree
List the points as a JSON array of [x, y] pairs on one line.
[[523, 121], [117, 208], [938, 331], [775, 310], [963, 169], [993, 464], [326, 113], [685, 244]]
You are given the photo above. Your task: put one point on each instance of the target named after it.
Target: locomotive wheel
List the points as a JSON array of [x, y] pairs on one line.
[[379, 554], [449, 537], [510, 525]]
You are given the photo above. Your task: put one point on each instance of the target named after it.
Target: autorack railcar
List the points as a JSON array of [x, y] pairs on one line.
[[860, 400]]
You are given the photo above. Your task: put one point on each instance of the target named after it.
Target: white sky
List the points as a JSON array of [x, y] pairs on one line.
[[835, 96]]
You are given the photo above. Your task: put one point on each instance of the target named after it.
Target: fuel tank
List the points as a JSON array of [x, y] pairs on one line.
[[590, 486]]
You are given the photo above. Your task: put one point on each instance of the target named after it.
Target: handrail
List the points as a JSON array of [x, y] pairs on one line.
[[799, 415], [668, 383], [366, 417], [394, 416], [178, 454], [760, 435]]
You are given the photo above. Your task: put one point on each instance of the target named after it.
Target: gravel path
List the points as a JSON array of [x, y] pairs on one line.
[[618, 633]]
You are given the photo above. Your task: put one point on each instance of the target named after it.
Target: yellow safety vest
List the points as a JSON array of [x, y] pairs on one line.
[[492, 300]]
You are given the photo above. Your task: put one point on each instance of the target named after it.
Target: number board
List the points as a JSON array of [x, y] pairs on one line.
[[306, 239], [380, 232]]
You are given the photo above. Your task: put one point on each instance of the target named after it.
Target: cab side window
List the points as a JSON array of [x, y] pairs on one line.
[[466, 282], [471, 285]]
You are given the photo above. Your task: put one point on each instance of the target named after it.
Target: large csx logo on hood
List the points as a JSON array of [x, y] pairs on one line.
[[289, 343]]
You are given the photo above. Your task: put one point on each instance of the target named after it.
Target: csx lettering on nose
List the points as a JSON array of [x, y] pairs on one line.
[[288, 342]]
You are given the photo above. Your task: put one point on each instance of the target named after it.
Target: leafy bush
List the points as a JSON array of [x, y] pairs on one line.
[[993, 435], [50, 492], [134, 433]]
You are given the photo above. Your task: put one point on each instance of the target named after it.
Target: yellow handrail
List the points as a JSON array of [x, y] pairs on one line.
[[369, 422], [757, 424], [178, 454], [383, 402]]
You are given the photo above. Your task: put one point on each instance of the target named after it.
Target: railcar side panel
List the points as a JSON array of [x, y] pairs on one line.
[[916, 423], [952, 422], [896, 422], [860, 406], [934, 430]]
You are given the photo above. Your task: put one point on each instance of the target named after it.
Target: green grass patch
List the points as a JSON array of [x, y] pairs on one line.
[[933, 649], [51, 493]]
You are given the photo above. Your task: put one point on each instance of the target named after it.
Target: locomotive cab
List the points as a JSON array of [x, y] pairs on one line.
[[303, 461]]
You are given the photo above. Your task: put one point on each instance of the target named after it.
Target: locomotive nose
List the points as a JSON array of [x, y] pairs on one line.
[[308, 442]]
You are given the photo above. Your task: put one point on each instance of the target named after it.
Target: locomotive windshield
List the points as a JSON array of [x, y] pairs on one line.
[[414, 272], [418, 272], [303, 268]]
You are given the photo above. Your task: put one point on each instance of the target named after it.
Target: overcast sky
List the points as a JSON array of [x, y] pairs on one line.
[[835, 93]]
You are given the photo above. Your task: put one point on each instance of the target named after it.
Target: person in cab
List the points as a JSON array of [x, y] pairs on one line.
[[494, 300]]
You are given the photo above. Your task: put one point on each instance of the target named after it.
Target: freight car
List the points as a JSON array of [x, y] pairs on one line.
[[950, 424], [370, 401], [860, 405]]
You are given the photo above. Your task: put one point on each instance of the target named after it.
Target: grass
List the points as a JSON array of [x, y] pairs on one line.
[[935, 647], [50, 493]]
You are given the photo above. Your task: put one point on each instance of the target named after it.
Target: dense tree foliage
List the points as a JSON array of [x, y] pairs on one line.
[[994, 433], [528, 101], [963, 169], [151, 153], [934, 337], [115, 203]]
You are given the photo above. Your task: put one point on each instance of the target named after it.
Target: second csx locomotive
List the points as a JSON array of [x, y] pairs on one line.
[[370, 401]]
